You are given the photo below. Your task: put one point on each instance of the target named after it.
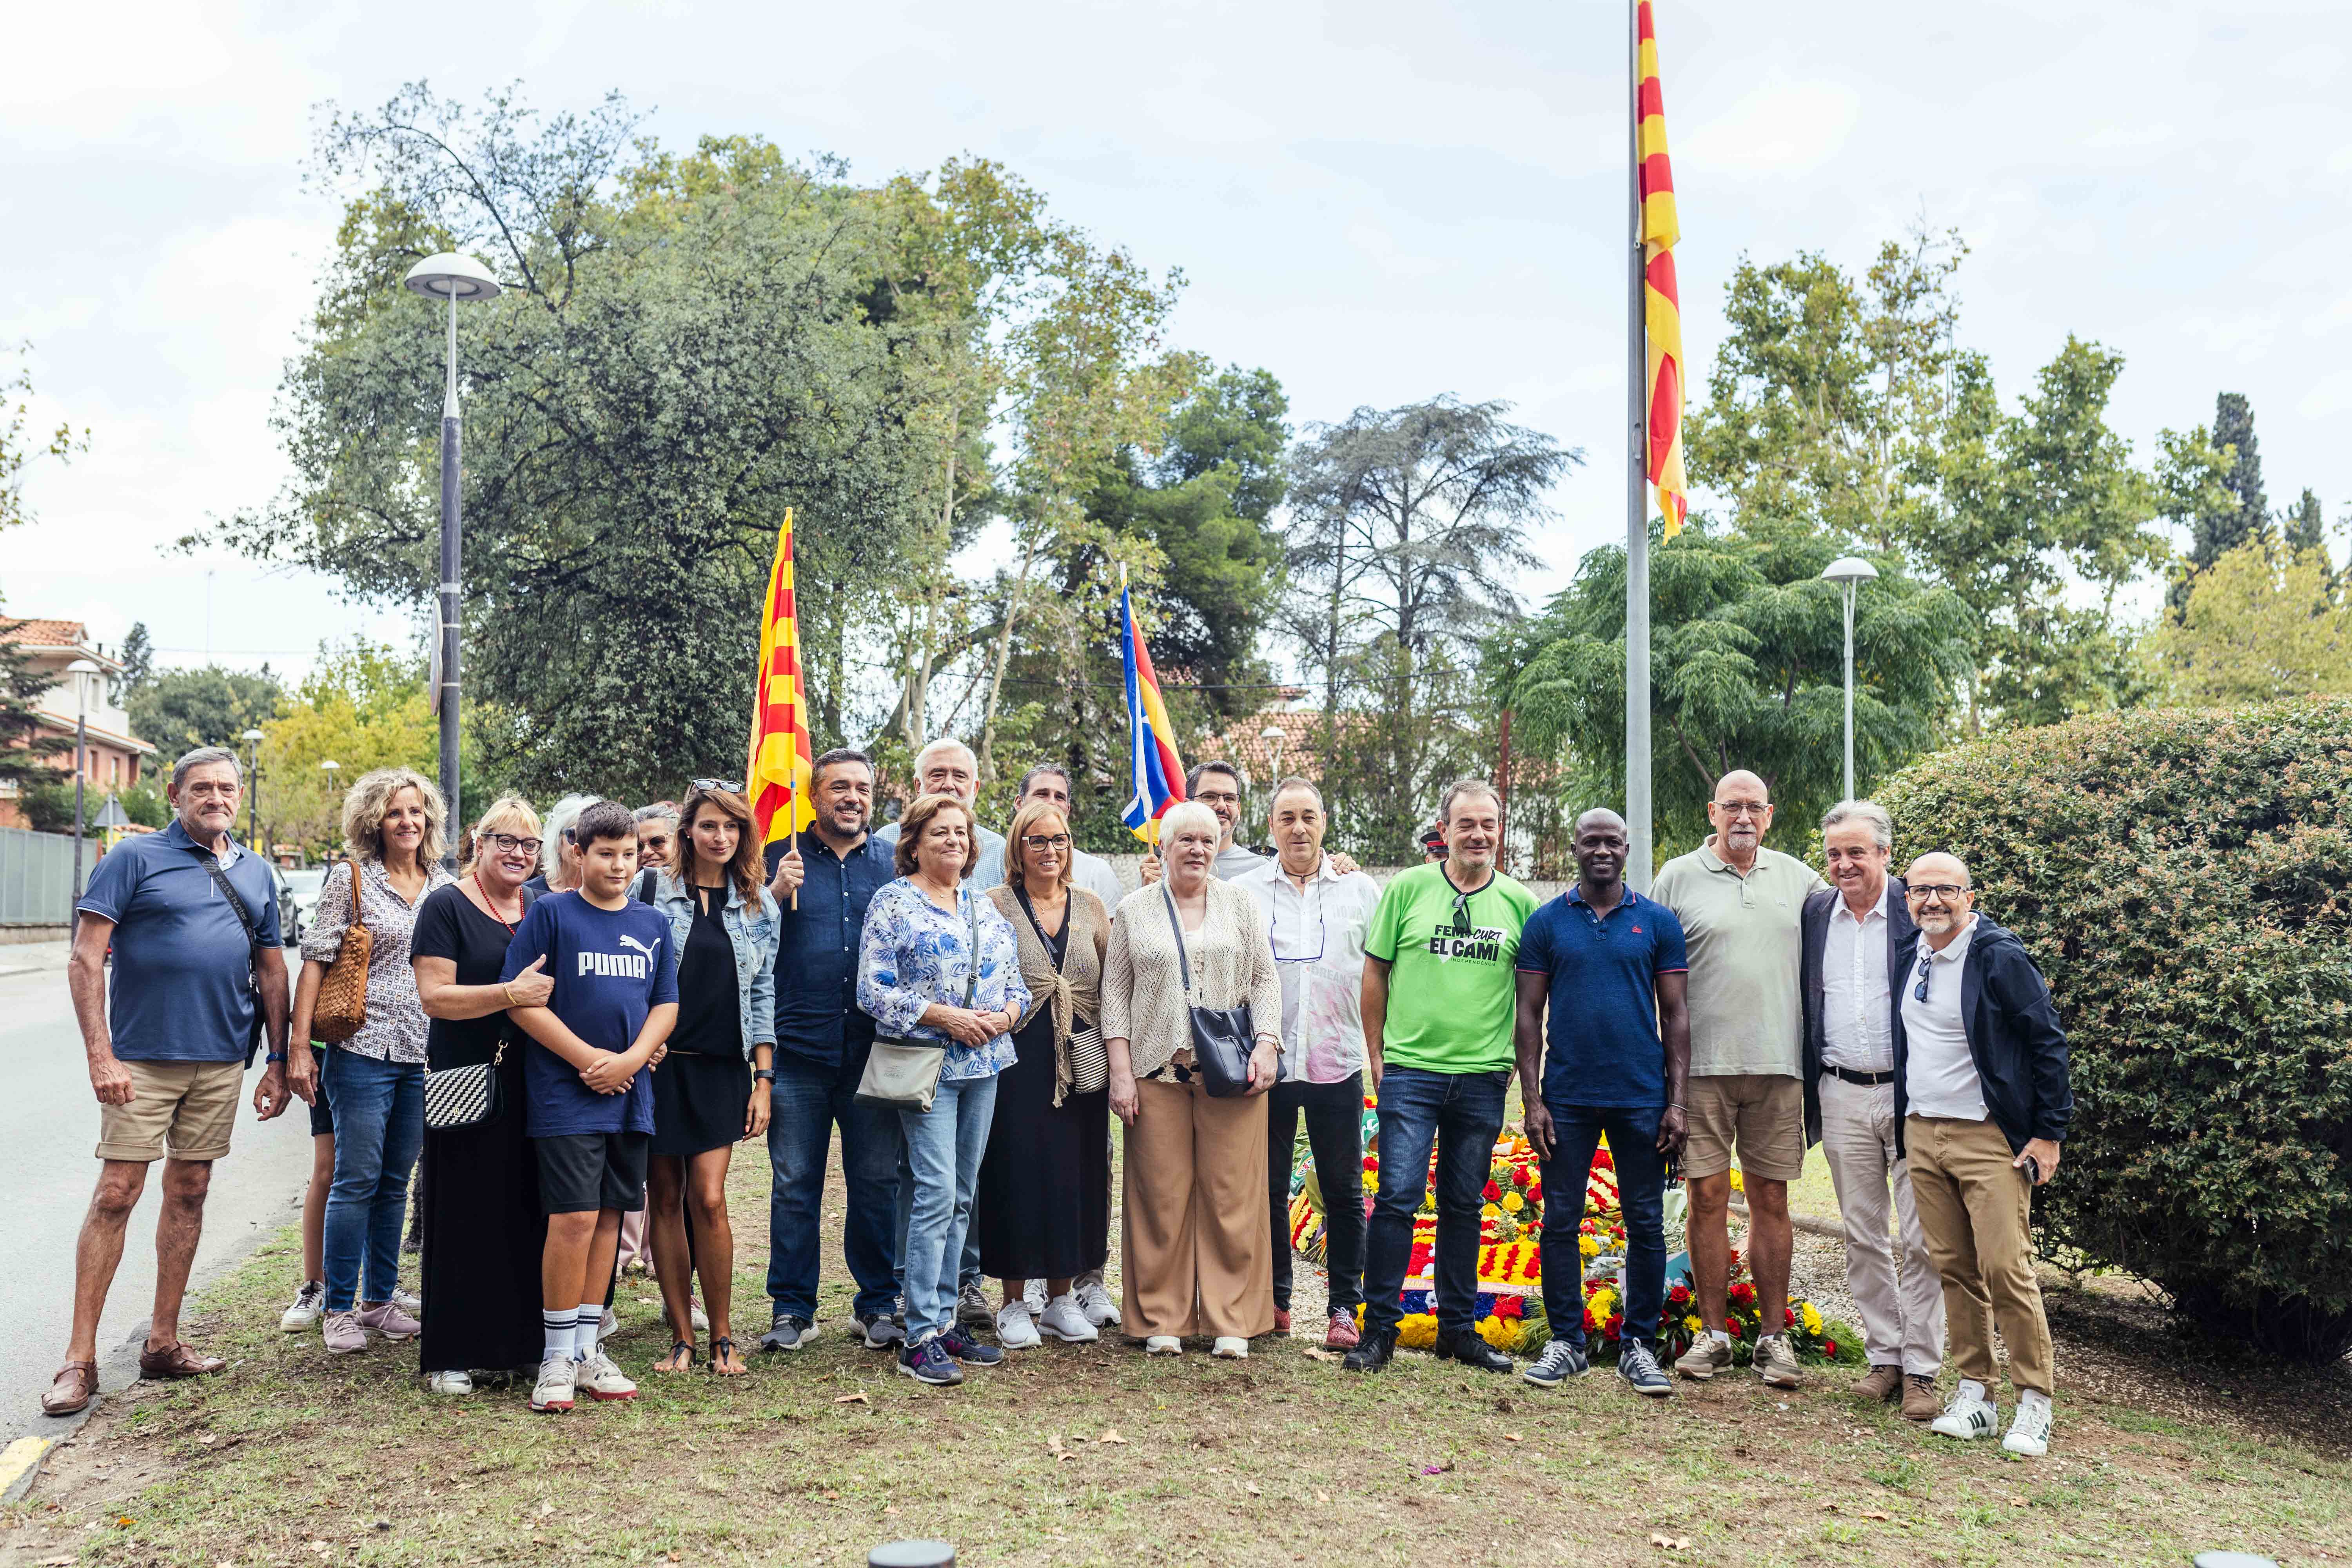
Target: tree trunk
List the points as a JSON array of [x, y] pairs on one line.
[[919, 683], [1003, 657]]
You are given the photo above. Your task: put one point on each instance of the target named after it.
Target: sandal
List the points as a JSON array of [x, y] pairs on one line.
[[677, 1348], [721, 1348]]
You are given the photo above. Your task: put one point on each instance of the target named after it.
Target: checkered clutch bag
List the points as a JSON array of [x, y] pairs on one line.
[[464, 1096]]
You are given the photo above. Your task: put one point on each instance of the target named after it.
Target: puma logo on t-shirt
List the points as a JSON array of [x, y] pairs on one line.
[[635, 965]]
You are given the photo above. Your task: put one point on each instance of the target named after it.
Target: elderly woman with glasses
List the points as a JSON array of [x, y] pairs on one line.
[[483, 1229]]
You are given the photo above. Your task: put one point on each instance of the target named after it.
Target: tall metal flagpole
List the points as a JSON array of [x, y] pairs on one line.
[[1637, 509]]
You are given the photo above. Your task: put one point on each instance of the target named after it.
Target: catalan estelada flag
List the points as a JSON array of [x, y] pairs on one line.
[[778, 777], [1661, 303], [1157, 771]]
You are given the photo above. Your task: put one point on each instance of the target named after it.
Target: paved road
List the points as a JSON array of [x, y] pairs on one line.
[[48, 1125]]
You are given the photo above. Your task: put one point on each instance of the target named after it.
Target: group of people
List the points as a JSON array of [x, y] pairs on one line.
[[581, 1025]]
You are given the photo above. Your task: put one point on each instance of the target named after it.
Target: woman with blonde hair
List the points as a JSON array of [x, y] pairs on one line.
[[1042, 1206], [394, 823], [480, 1184], [1194, 1248]]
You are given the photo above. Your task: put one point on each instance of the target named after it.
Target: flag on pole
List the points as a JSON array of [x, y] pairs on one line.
[[1157, 771], [1661, 303], [778, 776]]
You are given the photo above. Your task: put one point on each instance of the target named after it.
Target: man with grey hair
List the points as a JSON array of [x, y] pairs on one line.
[[192, 918], [1852, 930], [1048, 784], [948, 767]]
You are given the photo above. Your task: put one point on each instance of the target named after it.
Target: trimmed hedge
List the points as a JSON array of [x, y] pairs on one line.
[[2185, 881]]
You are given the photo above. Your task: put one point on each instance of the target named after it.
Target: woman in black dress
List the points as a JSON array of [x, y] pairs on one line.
[[710, 1087], [483, 1228], [1042, 1205]]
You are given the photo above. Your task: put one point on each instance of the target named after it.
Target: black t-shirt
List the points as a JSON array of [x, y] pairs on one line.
[[709, 1002], [450, 926]]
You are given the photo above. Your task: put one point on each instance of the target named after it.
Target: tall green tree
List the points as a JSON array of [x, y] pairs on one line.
[[2261, 625], [137, 663], [26, 752], [180, 710], [2306, 525]]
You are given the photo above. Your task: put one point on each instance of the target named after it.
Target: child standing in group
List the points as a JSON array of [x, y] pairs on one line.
[[589, 1103]]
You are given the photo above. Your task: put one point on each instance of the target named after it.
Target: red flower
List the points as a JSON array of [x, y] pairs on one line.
[[1492, 1194], [1829, 1348], [1372, 1162], [1787, 1317], [1616, 1323], [1603, 1161], [1508, 1307], [1744, 1293], [1679, 1295]]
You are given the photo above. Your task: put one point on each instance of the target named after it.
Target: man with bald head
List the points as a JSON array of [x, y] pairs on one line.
[[1981, 1106], [1742, 911]]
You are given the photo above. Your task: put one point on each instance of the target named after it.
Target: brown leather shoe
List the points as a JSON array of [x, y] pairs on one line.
[[1883, 1383], [1919, 1402], [177, 1361], [72, 1389]]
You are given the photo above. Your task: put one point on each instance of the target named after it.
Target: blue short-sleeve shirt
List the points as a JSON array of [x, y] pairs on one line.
[[183, 989], [1603, 1049], [611, 967]]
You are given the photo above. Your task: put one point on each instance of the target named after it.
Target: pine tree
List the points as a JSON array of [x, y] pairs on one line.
[[25, 750], [137, 663], [2219, 534], [2306, 529]]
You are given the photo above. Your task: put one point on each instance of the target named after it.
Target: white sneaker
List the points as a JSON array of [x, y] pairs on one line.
[[1966, 1416], [309, 1306], [1097, 1302], [1232, 1347], [1066, 1322], [409, 1301], [598, 1378], [2029, 1434], [452, 1382], [696, 1316], [608, 1325], [551, 1396], [1163, 1345], [1032, 1296], [1014, 1332]]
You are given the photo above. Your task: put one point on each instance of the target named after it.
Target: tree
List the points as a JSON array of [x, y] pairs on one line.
[[2232, 507], [137, 663], [365, 707], [2259, 626], [20, 448], [181, 709], [25, 748]]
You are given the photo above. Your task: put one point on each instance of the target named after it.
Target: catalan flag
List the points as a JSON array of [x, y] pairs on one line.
[[1157, 772], [1661, 303], [778, 777]]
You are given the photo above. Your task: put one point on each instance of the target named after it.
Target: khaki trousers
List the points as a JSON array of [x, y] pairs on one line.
[[1195, 1258], [1902, 1318], [1974, 1209]]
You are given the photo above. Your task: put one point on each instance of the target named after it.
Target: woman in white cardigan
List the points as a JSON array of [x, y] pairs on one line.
[[1196, 1254]]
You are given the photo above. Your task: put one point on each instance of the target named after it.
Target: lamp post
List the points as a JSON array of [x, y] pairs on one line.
[[253, 787], [330, 768], [1849, 571], [81, 669], [450, 276]]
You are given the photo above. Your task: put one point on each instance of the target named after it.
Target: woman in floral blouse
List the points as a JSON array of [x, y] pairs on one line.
[[394, 823], [939, 965]]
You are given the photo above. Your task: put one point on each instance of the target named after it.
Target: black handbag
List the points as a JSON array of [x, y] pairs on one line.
[[1221, 1036]]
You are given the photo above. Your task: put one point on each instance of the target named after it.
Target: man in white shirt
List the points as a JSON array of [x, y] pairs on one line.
[[1983, 1104], [1316, 916], [1852, 931]]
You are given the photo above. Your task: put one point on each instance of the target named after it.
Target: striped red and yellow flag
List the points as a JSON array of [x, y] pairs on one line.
[[778, 776], [1662, 303]]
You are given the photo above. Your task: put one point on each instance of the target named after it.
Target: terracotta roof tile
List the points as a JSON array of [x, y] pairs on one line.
[[44, 634]]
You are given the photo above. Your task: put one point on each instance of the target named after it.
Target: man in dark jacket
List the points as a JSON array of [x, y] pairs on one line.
[[1980, 1087]]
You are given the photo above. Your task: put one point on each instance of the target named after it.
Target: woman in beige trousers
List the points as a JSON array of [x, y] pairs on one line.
[[1195, 1253]]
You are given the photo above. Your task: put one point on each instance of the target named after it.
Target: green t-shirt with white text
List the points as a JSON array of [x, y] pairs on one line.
[[1453, 992]]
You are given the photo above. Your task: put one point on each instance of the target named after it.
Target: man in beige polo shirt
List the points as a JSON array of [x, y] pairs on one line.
[[1742, 909]]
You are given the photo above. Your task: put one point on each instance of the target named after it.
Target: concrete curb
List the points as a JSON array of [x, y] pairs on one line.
[[20, 1465]]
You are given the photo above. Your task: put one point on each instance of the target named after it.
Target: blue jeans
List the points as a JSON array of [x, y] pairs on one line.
[[379, 1127], [1642, 1192], [805, 1102], [1460, 1114], [944, 1145]]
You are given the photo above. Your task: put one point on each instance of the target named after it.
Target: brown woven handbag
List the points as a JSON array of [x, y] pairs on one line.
[[341, 1006]]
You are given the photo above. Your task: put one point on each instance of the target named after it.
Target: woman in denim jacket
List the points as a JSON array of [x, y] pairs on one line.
[[710, 1085]]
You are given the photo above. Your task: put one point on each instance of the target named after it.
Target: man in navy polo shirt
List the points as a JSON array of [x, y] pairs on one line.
[[169, 1049], [1615, 962]]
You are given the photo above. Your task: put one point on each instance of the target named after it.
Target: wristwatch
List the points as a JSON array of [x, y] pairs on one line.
[[273, 1058], [763, 1075]]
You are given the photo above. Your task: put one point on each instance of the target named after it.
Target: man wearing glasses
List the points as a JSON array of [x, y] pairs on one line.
[[1981, 1106], [1741, 908]]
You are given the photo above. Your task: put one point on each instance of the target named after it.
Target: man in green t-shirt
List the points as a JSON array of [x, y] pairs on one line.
[[1439, 1001]]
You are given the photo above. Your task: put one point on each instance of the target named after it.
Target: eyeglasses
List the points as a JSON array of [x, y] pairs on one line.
[[507, 843], [729, 786], [1046, 841], [1944, 890], [1741, 808], [1926, 966]]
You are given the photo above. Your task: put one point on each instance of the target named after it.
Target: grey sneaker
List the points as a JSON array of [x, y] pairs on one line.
[[409, 1301], [1097, 1302], [1561, 1361], [386, 1319], [879, 1332], [1707, 1356], [342, 1334], [1776, 1363], [1032, 1297], [309, 1306], [552, 1394], [973, 1309], [1639, 1367], [789, 1332]]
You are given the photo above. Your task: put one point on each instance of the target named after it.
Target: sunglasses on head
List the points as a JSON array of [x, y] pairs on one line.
[[725, 786]]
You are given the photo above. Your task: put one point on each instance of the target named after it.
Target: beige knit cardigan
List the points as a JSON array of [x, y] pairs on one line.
[[1143, 998], [1077, 990]]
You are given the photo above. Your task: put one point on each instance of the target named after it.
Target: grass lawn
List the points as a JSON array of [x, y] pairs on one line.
[[1093, 1455]]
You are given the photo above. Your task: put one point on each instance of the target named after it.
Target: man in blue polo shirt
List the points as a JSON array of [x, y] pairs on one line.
[[822, 1043], [1615, 960], [196, 976]]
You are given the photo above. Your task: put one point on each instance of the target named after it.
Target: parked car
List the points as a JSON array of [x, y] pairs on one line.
[[299, 900]]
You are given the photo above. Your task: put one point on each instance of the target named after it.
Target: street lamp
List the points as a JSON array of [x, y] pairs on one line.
[[1848, 571], [253, 787], [451, 277], [81, 669]]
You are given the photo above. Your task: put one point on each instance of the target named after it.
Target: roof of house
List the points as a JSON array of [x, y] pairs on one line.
[[45, 634], [1245, 744]]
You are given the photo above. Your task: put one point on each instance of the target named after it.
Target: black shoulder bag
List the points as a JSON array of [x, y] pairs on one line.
[[1221, 1036], [211, 864]]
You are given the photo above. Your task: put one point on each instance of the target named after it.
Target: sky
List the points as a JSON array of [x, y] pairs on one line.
[[1378, 202]]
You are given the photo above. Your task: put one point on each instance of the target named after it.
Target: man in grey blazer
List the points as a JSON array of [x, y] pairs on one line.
[[1853, 933]]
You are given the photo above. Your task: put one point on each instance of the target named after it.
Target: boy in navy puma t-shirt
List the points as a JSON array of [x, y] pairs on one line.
[[588, 1102]]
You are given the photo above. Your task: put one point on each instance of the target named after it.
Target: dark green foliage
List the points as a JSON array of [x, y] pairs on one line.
[[2185, 881], [138, 662], [2307, 525], [181, 709], [2216, 536], [145, 804], [48, 804], [24, 750]]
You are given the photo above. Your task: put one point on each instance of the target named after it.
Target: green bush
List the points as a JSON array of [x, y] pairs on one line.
[[2185, 881]]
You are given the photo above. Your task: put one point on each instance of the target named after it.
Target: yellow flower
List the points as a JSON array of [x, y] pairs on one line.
[[1417, 1331], [1489, 1210], [1588, 1245], [1693, 1324], [1738, 1185], [1503, 1336], [1513, 1202], [1810, 1318]]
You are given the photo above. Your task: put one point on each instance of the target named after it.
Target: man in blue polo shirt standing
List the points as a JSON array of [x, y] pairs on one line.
[[1615, 960], [193, 921]]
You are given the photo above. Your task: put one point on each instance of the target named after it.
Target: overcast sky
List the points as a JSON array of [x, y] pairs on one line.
[[1377, 201]]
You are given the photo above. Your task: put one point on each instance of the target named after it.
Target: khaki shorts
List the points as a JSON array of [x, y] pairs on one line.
[[1762, 1113], [185, 1109]]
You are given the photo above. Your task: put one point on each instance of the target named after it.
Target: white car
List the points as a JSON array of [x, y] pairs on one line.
[[303, 885]]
